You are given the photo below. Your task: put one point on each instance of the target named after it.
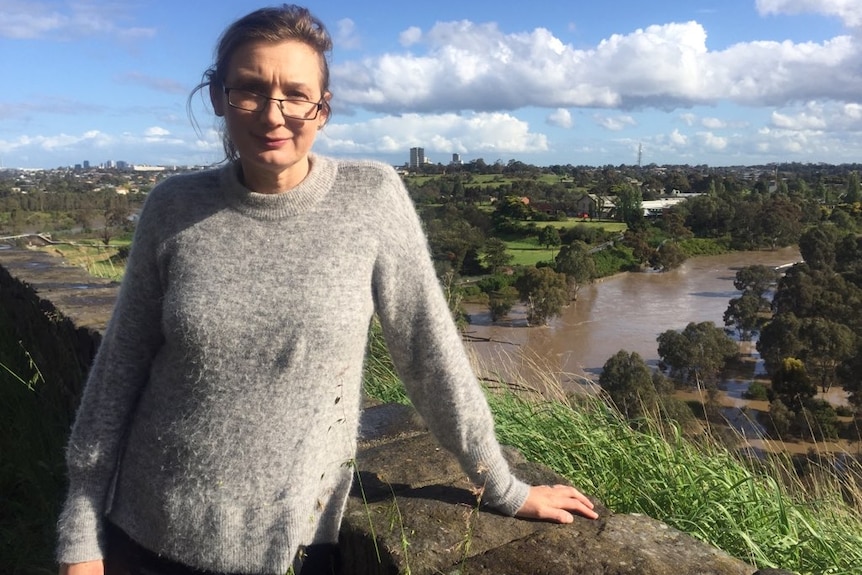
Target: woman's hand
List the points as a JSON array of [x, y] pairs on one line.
[[86, 568], [556, 504]]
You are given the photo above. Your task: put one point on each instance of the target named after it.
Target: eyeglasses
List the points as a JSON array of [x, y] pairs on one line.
[[295, 108]]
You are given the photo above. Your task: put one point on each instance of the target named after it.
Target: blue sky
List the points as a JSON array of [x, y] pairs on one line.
[[717, 82]]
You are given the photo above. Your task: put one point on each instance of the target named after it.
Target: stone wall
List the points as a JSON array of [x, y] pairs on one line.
[[411, 510]]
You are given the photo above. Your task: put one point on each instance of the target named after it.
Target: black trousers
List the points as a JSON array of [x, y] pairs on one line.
[[126, 557]]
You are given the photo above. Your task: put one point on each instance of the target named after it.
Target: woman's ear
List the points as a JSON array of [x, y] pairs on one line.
[[325, 111], [217, 100]]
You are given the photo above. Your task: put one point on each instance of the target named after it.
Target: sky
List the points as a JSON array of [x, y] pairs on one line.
[[715, 82]]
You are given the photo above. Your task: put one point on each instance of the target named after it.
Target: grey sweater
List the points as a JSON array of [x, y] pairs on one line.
[[218, 424]]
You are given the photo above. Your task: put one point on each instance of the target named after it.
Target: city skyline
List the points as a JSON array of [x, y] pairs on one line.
[[717, 82]]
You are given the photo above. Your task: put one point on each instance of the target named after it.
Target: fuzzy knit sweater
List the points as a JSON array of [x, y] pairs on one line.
[[219, 421]]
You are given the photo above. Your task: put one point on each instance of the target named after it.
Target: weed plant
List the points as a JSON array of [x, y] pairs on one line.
[[758, 511]]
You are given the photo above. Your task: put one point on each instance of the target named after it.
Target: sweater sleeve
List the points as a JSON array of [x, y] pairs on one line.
[[430, 357], [119, 371]]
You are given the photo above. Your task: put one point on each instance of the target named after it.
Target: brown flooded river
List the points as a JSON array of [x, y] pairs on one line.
[[627, 311]]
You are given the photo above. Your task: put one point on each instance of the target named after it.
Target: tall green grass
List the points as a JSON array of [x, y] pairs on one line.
[[756, 511]]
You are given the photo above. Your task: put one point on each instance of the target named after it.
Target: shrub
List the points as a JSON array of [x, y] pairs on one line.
[[756, 391]]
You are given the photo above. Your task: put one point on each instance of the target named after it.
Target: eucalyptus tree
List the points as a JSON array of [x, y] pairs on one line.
[[576, 263], [697, 354]]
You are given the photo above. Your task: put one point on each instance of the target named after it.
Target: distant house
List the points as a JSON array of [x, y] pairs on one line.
[[654, 208], [595, 206]]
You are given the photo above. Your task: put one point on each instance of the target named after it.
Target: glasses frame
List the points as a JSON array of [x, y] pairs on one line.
[[279, 101]]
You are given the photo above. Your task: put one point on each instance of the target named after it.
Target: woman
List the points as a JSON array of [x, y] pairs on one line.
[[219, 420]]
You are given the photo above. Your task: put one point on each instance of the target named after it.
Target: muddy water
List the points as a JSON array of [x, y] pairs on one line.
[[627, 311]]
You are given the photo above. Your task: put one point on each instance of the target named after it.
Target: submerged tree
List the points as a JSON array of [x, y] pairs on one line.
[[634, 388], [697, 354], [544, 292], [792, 385], [668, 256], [746, 314], [577, 264]]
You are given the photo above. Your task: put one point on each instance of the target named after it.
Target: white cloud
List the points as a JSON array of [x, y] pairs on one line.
[[462, 65], [713, 123], [29, 20], [91, 138], [849, 11], [688, 118], [614, 123], [800, 121], [410, 36], [156, 131], [437, 133], [561, 118], [711, 141], [677, 138], [345, 35]]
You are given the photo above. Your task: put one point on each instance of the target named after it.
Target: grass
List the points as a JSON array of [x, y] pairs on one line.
[[98, 259], [528, 252], [757, 511], [608, 225]]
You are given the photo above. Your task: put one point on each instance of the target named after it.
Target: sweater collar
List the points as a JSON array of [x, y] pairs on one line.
[[300, 199]]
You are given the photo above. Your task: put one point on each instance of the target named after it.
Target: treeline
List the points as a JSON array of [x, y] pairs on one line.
[[472, 220]]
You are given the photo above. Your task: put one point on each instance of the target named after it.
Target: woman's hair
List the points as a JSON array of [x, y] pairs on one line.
[[276, 24]]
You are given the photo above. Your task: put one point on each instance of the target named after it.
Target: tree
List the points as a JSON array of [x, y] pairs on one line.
[[780, 221], [501, 301], [496, 254], [544, 292], [825, 345], [818, 245], [638, 242], [697, 354], [512, 207], [854, 193], [755, 279], [668, 256], [745, 314], [575, 262], [549, 237], [792, 385], [629, 204], [631, 385], [673, 222], [779, 338], [849, 375], [116, 216]]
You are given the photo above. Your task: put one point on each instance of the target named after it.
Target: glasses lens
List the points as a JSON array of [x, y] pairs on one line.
[[300, 109], [246, 100]]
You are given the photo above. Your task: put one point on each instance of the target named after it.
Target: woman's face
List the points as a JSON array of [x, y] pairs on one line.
[[273, 149]]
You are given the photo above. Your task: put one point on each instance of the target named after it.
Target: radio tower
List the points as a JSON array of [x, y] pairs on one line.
[[640, 154]]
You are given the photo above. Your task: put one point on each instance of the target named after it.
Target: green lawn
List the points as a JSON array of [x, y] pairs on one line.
[[528, 252], [608, 225]]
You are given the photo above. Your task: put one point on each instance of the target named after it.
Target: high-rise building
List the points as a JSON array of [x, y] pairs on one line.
[[456, 159], [417, 157]]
